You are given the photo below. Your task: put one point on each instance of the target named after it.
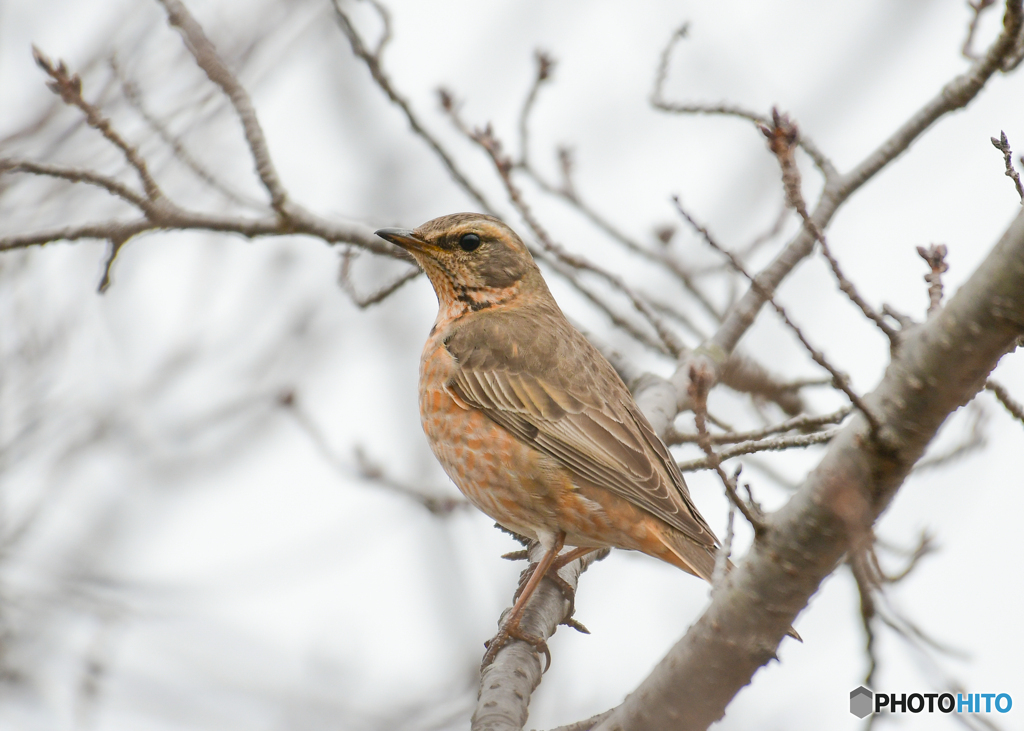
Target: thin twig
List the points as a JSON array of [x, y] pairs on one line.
[[1000, 392], [364, 301], [1003, 145], [76, 175], [976, 440], [972, 27], [935, 256], [658, 101], [365, 468], [545, 65], [782, 135], [567, 191], [700, 382], [802, 423], [207, 59], [776, 444], [503, 165], [840, 379], [954, 95], [133, 95], [372, 59], [68, 87]]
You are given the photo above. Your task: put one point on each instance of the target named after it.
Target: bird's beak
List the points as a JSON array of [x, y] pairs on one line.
[[402, 237]]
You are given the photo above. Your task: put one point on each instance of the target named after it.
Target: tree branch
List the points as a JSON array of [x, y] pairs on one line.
[[507, 683], [208, 60], [955, 95], [838, 503]]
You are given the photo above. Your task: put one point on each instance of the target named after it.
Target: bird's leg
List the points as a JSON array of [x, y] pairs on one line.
[[567, 591], [510, 627]]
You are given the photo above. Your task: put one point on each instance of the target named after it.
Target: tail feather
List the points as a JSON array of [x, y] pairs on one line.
[[698, 560]]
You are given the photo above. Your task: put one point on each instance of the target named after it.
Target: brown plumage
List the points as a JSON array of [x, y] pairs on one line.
[[529, 420]]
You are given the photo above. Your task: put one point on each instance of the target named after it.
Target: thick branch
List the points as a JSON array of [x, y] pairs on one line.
[[941, 366]]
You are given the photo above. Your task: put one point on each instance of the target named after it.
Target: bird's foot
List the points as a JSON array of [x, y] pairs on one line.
[[505, 634]]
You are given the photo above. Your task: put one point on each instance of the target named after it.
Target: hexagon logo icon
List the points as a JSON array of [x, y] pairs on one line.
[[860, 701]]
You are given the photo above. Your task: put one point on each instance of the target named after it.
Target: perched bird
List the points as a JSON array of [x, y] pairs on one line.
[[530, 421]]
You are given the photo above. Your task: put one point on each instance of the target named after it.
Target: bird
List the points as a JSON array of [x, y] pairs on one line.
[[531, 422]]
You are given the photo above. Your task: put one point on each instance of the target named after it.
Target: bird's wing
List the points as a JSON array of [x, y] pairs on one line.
[[562, 397]]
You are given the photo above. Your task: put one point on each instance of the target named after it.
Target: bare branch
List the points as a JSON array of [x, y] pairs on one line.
[[776, 444], [567, 192], [1000, 392], [954, 95], [802, 423], [953, 352], [1003, 145], [744, 374], [364, 301], [936, 258], [782, 135], [840, 379], [977, 9], [372, 59], [133, 95], [545, 65], [365, 468], [77, 175], [658, 101], [503, 165], [69, 88], [700, 383], [206, 57], [507, 683]]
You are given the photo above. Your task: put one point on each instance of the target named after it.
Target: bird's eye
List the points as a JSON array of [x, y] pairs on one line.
[[469, 242]]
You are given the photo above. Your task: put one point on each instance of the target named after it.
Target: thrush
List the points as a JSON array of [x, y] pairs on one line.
[[531, 422]]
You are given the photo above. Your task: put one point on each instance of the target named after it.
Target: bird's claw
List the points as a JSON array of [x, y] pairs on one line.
[[523, 555], [501, 639]]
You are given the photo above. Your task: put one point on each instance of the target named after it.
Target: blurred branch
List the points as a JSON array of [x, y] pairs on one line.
[[977, 8], [975, 440], [133, 95], [159, 213], [1003, 145], [700, 383], [1000, 392], [365, 468], [935, 256], [373, 61], [567, 192], [364, 301], [207, 59], [503, 165], [68, 87], [658, 101]]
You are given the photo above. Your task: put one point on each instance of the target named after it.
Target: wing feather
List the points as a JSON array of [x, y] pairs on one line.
[[612, 446]]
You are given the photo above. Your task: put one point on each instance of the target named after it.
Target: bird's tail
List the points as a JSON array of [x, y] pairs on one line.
[[698, 560]]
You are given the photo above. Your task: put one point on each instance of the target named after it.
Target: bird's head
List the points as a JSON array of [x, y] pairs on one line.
[[473, 260]]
